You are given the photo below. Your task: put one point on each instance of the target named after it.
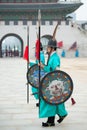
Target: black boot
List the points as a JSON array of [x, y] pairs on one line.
[[50, 122], [37, 104], [61, 118]]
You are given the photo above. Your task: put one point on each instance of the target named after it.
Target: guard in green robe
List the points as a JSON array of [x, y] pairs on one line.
[[45, 109]]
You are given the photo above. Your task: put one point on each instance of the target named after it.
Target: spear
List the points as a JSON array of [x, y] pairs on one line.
[[26, 51], [39, 23], [28, 62], [26, 57]]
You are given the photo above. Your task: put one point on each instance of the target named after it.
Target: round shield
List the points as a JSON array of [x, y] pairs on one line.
[[33, 75], [56, 87]]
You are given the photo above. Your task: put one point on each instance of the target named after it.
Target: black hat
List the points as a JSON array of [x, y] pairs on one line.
[[52, 43]]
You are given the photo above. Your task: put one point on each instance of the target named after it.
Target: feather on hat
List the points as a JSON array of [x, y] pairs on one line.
[[53, 42]]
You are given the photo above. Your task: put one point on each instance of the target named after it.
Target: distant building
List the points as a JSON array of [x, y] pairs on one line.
[[26, 10], [17, 15]]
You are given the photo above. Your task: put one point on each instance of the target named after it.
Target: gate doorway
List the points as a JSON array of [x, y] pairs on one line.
[[11, 45]]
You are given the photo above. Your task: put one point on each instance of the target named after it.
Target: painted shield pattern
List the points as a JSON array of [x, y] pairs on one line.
[[56, 87], [33, 75]]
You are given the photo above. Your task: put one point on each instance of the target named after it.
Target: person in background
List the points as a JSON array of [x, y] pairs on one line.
[[77, 53], [63, 53]]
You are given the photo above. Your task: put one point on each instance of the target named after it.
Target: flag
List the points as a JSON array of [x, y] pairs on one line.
[[26, 53], [74, 46], [37, 50], [60, 44]]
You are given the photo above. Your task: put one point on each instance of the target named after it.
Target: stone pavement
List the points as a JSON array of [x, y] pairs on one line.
[[16, 114]]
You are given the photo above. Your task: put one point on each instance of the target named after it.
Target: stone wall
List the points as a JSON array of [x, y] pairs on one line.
[[67, 33]]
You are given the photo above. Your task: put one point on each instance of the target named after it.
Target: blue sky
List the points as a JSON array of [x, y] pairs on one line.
[[81, 13]]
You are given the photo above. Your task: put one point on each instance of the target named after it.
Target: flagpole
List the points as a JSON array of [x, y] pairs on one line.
[[28, 63], [39, 22]]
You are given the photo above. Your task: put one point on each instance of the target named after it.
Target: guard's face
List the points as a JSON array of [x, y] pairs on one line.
[[48, 49]]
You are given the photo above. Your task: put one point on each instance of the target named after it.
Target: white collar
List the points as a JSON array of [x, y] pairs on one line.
[[53, 53]]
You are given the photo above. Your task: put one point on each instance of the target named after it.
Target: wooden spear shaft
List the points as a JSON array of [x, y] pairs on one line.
[[39, 23], [28, 63]]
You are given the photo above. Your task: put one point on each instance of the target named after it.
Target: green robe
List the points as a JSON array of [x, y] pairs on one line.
[[47, 110]]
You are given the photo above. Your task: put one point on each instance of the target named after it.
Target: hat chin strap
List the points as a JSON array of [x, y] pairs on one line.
[[49, 53]]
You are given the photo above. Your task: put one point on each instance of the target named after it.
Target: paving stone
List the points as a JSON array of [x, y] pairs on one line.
[[17, 114]]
